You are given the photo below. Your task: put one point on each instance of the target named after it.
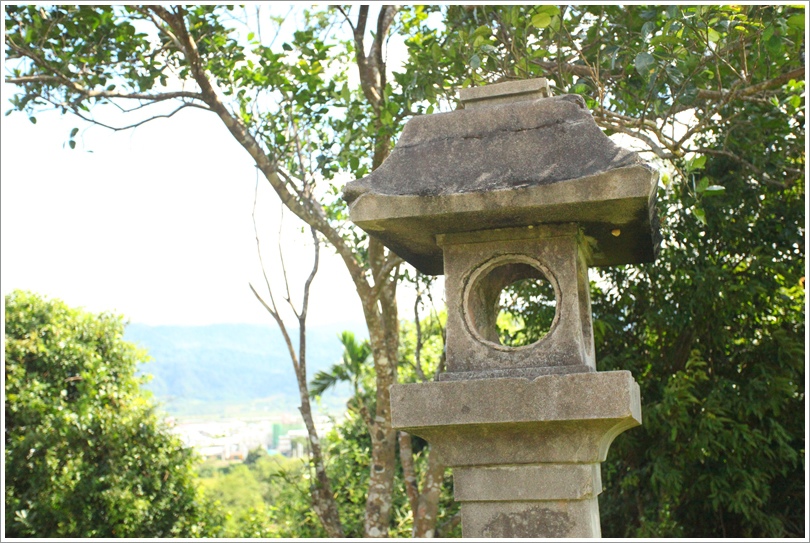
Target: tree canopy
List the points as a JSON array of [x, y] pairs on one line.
[[713, 95], [85, 453]]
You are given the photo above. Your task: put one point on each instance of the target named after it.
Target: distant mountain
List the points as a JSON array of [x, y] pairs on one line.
[[203, 370]]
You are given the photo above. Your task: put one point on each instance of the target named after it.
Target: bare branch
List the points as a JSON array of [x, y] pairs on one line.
[[654, 147], [288, 296], [346, 16], [271, 308], [323, 501], [135, 125], [281, 326], [309, 280]]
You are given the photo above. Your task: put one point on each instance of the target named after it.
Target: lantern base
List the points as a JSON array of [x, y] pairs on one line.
[[526, 454]]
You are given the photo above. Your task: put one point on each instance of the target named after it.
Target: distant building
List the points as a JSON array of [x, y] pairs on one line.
[[232, 439]]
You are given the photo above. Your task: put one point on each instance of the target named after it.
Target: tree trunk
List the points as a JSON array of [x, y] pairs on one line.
[[383, 329], [425, 516], [323, 499], [408, 470]]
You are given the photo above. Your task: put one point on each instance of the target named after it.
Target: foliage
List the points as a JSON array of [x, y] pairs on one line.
[[349, 445], [251, 495], [527, 309], [421, 355], [348, 448], [714, 333], [713, 330], [85, 453], [354, 368]]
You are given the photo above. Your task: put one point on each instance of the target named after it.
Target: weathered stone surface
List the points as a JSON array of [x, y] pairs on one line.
[[527, 482], [489, 95], [515, 187], [529, 162], [531, 519], [511, 145], [554, 418], [525, 454], [479, 265]]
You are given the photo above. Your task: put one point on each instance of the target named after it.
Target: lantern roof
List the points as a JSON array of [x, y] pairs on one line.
[[513, 157]]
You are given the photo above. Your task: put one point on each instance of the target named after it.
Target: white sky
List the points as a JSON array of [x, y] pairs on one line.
[[154, 223]]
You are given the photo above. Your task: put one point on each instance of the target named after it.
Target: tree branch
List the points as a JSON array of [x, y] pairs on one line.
[[346, 16], [156, 97], [379, 278], [408, 471], [133, 125], [306, 209]]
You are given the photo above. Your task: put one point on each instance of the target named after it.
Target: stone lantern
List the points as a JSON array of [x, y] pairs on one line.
[[517, 185]]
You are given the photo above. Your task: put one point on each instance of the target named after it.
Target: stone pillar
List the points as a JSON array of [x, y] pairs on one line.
[[518, 185], [525, 453]]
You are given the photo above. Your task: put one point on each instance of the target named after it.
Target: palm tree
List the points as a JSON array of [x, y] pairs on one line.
[[355, 368]]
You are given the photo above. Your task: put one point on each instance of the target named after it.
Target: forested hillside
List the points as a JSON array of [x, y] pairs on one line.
[[219, 368]]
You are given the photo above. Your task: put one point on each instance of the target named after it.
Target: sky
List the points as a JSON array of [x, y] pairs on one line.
[[154, 223]]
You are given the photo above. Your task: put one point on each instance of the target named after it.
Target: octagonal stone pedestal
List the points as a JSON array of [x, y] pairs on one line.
[[526, 453]]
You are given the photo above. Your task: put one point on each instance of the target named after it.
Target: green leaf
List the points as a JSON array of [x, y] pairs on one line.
[[712, 190], [33, 120], [674, 75], [286, 46], [644, 63], [774, 45], [699, 214], [484, 31], [74, 132], [702, 185], [72, 144], [796, 21], [714, 36], [541, 20], [475, 62], [551, 10], [696, 163]]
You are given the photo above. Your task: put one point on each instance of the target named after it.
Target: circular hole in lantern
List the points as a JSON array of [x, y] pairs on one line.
[[526, 311], [511, 302]]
